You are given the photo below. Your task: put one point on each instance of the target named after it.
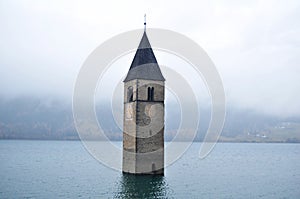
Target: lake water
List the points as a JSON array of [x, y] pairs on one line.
[[53, 169]]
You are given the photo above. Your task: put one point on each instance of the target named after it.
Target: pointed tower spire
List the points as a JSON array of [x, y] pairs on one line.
[[144, 64]]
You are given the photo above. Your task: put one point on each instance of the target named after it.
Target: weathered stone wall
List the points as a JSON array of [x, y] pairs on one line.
[[129, 130], [144, 128]]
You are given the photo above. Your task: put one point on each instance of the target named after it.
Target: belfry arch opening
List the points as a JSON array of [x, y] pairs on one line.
[[130, 94], [150, 94]]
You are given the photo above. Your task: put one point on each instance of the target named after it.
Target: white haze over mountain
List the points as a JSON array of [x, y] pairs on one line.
[[255, 45]]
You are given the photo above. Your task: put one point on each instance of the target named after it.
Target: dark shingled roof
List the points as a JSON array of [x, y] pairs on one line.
[[144, 64]]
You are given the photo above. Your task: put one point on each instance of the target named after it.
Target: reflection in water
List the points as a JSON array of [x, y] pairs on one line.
[[142, 186]]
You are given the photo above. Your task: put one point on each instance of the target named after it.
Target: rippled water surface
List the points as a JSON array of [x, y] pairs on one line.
[[52, 169]]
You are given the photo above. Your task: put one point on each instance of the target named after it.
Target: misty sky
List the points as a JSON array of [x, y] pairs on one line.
[[255, 45]]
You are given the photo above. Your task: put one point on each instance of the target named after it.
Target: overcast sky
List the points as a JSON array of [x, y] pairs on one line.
[[255, 45]]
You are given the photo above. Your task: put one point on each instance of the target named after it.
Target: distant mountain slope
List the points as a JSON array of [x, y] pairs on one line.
[[33, 118]]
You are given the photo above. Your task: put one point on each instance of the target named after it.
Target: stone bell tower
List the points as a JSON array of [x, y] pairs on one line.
[[143, 130]]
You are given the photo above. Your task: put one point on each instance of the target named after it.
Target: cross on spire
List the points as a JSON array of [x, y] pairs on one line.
[[145, 22]]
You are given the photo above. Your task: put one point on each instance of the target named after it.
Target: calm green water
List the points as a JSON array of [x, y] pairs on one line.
[[52, 169]]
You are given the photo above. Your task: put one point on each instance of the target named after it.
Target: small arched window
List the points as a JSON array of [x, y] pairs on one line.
[[130, 94], [153, 167], [150, 94]]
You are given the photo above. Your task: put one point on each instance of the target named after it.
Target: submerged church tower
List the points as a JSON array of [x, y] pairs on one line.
[[143, 130]]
